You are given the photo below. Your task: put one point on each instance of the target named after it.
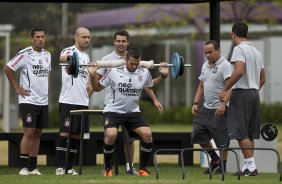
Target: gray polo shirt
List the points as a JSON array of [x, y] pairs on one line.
[[214, 80]]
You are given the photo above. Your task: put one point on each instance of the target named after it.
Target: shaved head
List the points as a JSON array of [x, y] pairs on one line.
[[81, 30], [82, 38]]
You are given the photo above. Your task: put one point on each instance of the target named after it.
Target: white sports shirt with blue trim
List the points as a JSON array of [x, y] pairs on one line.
[[73, 90], [126, 88], [35, 67]]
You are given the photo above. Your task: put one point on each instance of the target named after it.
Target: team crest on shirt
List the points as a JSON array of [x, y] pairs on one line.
[[215, 69], [28, 118], [40, 62], [67, 122], [107, 121], [140, 77]]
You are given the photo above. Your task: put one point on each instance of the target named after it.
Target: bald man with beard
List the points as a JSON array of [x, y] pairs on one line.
[[75, 93]]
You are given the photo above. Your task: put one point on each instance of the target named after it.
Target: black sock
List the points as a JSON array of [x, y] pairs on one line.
[[73, 151], [224, 164], [32, 163], [213, 155], [61, 151], [108, 153], [24, 160], [146, 149]]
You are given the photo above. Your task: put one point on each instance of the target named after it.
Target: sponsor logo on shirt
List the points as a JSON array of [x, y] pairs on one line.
[[39, 70], [17, 61], [127, 90]]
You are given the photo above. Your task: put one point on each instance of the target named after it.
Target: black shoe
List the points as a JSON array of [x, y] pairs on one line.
[[247, 172], [251, 173], [241, 173], [219, 171], [214, 166]]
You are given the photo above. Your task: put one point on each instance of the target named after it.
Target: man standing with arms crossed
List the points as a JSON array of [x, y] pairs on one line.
[[35, 65], [121, 42], [210, 122], [244, 110], [74, 95]]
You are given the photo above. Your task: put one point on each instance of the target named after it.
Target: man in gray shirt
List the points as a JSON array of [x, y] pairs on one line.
[[210, 121], [246, 80]]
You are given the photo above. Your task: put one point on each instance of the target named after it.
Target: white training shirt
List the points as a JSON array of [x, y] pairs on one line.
[[247, 53], [102, 71], [126, 88], [214, 80], [74, 92], [35, 67]]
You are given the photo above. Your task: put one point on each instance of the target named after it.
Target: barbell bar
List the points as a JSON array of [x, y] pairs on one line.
[[177, 64]]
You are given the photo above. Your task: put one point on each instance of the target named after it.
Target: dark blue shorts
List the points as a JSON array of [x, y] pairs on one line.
[[34, 116], [130, 121], [64, 111]]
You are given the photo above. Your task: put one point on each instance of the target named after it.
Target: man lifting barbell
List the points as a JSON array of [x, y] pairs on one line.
[[128, 82], [121, 42]]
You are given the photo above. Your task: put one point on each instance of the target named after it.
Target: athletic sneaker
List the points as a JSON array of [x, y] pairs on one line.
[[72, 172], [134, 172], [143, 172], [247, 172], [251, 173], [35, 172], [60, 171], [24, 172], [241, 173], [219, 171], [214, 166], [108, 172]]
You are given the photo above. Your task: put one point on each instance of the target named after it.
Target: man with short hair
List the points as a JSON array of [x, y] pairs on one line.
[[126, 84], [35, 65], [121, 42], [246, 80], [75, 93], [210, 121]]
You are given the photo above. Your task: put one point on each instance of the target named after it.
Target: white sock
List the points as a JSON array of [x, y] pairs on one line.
[[127, 166], [250, 163]]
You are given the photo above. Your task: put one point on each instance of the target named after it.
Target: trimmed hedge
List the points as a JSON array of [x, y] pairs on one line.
[[271, 113]]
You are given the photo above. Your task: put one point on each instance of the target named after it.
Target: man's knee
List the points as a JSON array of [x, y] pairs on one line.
[[110, 137]]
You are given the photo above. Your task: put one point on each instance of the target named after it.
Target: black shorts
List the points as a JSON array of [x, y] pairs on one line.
[[244, 114], [206, 127], [64, 111], [131, 121], [34, 116]]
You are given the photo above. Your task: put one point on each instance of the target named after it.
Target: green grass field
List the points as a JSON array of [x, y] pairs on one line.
[[169, 171], [168, 174]]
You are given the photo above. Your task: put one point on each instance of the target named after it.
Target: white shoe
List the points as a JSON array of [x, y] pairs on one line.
[[72, 172], [60, 171], [24, 172], [35, 172]]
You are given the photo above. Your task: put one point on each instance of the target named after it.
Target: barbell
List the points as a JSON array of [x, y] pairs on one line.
[[177, 64]]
